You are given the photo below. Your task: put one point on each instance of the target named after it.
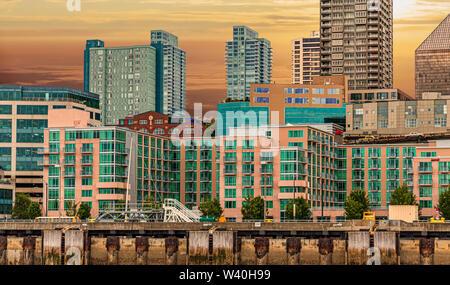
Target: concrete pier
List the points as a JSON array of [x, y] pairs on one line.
[[224, 244]]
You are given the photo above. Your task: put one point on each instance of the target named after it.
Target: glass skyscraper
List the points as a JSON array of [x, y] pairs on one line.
[[170, 74], [248, 61], [433, 61], [89, 44]]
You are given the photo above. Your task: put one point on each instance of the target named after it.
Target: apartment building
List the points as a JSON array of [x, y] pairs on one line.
[[171, 73], [125, 80], [305, 58], [357, 40], [248, 61]]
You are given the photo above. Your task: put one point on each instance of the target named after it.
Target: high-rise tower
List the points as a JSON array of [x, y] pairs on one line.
[[248, 61], [171, 73], [357, 40]]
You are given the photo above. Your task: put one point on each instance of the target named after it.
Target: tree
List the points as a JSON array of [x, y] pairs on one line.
[[402, 196], [253, 208], [356, 204], [34, 210], [444, 204], [21, 205], [302, 211], [211, 208], [84, 212], [71, 209]]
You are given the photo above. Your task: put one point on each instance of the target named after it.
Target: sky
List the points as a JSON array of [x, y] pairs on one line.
[[42, 42]]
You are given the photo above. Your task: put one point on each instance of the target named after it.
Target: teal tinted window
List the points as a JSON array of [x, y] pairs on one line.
[[5, 131], [31, 131], [5, 109], [28, 159], [5, 158], [32, 110]]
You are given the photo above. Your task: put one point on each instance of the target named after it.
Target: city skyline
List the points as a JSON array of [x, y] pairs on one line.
[[276, 20]]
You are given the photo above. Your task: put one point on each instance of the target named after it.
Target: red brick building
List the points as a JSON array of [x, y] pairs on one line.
[[154, 123]]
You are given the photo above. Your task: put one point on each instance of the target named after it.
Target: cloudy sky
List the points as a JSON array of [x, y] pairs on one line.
[[41, 42]]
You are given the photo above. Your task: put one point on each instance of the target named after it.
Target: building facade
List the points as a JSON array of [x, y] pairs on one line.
[[278, 163], [87, 55], [125, 79], [357, 40], [323, 101], [248, 61], [171, 73], [398, 118], [377, 95], [162, 125], [306, 58], [24, 115], [433, 61]]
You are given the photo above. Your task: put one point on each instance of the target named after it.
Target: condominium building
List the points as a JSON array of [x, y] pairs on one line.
[[276, 163], [98, 164], [170, 74], [357, 40], [306, 58], [24, 114], [433, 61], [248, 61], [398, 117], [124, 78], [87, 58]]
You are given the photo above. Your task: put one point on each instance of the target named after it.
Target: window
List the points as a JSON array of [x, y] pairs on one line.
[[333, 91], [296, 134], [158, 131], [288, 100], [440, 122], [318, 91], [86, 193], [230, 193], [410, 123], [32, 110], [260, 90], [230, 204], [262, 100], [301, 100]]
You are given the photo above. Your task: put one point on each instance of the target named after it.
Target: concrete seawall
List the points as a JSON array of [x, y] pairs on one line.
[[230, 245]]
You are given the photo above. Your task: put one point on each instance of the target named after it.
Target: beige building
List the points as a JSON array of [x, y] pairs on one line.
[[357, 40], [398, 117], [306, 58]]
